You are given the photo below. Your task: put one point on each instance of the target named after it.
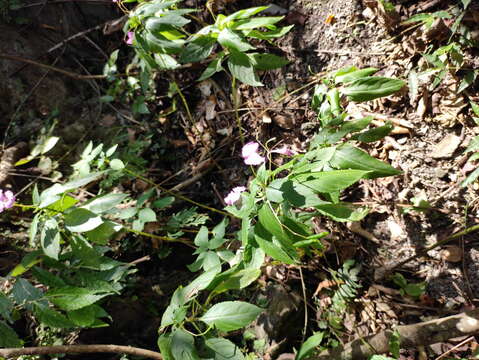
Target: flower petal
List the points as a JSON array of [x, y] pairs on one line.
[[254, 159], [234, 195], [249, 149], [284, 150]]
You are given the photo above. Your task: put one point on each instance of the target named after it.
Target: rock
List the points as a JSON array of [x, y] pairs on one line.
[[446, 147]]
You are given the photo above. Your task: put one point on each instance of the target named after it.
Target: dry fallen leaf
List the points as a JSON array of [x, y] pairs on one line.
[[446, 147]]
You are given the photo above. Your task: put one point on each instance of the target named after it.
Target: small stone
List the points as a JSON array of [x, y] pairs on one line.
[[446, 147]]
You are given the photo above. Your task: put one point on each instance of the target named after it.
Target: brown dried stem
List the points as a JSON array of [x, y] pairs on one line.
[[72, 349]]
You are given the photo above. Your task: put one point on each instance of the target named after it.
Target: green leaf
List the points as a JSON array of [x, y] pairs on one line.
[[201, 239], [238, 280], [82, 220], [273, 250], [309, 345], [157, 23], [102, 203], [183, 346], [224, 349], [471, 178], [167, 62], [270, 221], [395, 344], [213, 67], [342, 212], [164, 344], [71, 298], [198, 49], [33, 230], [27, 262], [241, 68], [103, 233], [233, 41], [468, 79], [159, 44], [347, 77], [8, 337], [163, 202], [147, 215], [267, 61], [64, 203], [475, 108], [373, 87], [52, 318], [330, 181], [83, 317], [381, 357], [6, 307], [268, 35], [245, 13], [348, 157], [117, 164], [50, 238], [256, 22], [374, 134], [231, 315], [24, 293], [47, 278]]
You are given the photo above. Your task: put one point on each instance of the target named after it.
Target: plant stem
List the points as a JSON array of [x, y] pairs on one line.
[[236, 106], [176, 195], [435, 245], [158, 237]]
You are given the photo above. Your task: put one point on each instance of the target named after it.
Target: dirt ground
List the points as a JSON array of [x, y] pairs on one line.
[[432, 131]]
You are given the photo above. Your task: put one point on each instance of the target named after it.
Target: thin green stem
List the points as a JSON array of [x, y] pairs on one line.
[[236, 106], [176, 195], [158, 237]]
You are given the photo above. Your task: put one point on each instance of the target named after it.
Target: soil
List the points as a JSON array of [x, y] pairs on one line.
[[435, 130]]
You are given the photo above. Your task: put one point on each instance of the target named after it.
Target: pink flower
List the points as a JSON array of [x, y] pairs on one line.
[[234, 195], [130, 36], [284, 150], [249, 153], [6, 200]]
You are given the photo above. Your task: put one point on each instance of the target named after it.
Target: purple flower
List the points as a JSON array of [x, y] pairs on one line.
[[6, 200], [249, 153], [234, 195], [284, 150], [129, 37]]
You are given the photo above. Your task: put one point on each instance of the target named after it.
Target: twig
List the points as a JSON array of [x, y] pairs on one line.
[[73, 349], [51, 68], [455, 347], [347, 52], [425, 333], [76, 36], [429, 248]]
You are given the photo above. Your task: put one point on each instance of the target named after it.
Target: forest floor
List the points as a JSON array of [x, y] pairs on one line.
[[409, 212]]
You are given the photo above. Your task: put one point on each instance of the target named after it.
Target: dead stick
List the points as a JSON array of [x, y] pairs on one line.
[[71, 349], [425, 333], [52, 68]]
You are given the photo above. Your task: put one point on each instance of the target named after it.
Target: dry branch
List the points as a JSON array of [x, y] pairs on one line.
[[425, 333], [83, 349]]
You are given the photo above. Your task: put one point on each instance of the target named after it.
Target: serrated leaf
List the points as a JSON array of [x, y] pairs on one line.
[[6, 307], [212, 68], [82, 220], [103, 233], [83, 317], [165, 61], [24, 293], [52, 318], [231, 315], [373, 87], [50, 238]]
